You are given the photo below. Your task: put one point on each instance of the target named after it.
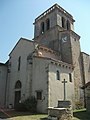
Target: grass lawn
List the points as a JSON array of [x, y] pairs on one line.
[[81, 115], [14, 115], [78, 115]]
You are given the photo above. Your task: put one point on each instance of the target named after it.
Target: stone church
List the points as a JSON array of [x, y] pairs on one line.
[[50, 67]]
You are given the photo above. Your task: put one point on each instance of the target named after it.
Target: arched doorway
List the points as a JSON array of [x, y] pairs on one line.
[[17, 93]]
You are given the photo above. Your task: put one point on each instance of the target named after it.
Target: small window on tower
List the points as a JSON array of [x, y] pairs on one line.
[[47, 24], [63, 22], [58, 75], [42, 27], [68, 25], [39, 95], [70, 77]]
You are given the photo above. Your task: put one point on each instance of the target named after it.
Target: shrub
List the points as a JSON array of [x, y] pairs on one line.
[[30, 104], [79, 104]]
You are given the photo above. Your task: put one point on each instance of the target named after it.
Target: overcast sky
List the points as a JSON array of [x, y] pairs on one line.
[[17, 17]]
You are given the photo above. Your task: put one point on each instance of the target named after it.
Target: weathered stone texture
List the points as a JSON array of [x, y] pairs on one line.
[[56, 85], [76, 61], [52, 16], [65, 46], [23, 49], [86, 67], [3, 75], [59, 114], [88, 98], [40, 82]]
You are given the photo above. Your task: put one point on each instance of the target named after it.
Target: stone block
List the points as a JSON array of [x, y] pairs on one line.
[[59, 113], [64, 104]]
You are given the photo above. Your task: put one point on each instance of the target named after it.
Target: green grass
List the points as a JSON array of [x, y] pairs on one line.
[[78, 115], [14, 115], [81, 115], [30, 117]]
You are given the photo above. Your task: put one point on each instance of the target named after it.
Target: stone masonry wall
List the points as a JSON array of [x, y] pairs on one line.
[[85, 64], [71, 53], [76, 61], [3, 75]]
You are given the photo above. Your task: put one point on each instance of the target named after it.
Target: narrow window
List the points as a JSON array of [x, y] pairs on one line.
[[70, 77], [42, 27], [39, 95], [19, 63], [68, 25], [58, 75], [0, 73], [47, 24], [63, 22]]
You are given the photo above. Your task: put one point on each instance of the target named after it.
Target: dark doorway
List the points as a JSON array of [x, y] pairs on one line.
[[17, 98]]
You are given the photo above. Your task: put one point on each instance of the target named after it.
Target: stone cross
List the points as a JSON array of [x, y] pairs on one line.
[[64, 82]]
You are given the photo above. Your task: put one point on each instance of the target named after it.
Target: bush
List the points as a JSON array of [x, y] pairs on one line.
[[30, 104], [79, 104]]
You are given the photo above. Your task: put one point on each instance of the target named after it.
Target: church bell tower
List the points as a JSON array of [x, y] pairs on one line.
[[55, 29], [48, 25]]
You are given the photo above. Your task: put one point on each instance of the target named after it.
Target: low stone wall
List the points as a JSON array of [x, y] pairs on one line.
[[59, 114], [62, 112]]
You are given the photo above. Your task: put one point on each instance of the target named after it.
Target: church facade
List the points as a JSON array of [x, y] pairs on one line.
[[50, 67]]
